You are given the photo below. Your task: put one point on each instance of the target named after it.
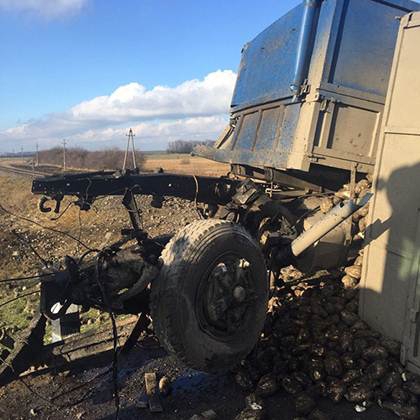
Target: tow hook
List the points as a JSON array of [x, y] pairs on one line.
[[44, 199]]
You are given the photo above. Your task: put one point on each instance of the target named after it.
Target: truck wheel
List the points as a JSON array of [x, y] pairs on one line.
[[209, 303]]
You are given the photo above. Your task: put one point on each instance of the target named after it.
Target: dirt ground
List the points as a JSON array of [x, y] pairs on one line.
[[85, 392], [193, 392]]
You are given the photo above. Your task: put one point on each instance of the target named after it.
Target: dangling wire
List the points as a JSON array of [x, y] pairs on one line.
[[114, 335], [196, 198], [47, 228], [79, 216], [62, 213], [18, 297], [27, 243], [25, 278]]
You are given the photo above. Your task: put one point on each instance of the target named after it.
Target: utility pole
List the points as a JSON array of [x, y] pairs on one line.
[[64, 155], [130, 139], [21, 153], [37, 156]]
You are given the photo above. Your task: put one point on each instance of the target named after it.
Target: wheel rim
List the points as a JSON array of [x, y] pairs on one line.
[[225, 295]]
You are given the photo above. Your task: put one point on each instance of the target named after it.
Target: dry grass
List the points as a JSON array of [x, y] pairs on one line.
[[185, 164]]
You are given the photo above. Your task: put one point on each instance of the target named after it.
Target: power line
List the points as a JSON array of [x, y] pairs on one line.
[[37, 156], [130, 141], [64, 154]]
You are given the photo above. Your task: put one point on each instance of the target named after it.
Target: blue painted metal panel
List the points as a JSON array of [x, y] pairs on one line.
[[268, 62], [364, 40], [347, 61]]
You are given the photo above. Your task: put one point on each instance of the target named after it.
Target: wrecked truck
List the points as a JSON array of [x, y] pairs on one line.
[[304, 120]]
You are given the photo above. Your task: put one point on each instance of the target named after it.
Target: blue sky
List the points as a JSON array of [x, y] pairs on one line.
[[63, 59]]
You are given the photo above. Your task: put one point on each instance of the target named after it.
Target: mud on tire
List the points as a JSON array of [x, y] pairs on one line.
[[209, 302]]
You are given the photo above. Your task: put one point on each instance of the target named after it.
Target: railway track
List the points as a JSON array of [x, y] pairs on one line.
[[78, 349], [20, 171]]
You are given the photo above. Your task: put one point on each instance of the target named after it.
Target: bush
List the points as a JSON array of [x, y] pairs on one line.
[[77, 157]]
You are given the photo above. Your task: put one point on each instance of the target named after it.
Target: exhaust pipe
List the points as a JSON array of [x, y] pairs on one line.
[[337, 215]]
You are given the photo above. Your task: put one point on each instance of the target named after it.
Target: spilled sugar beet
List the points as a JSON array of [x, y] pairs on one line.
[[315, 346]]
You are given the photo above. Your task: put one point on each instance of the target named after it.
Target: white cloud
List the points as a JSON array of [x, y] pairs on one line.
[[155, 135], [46, 8], [194, 97], [195, 109]]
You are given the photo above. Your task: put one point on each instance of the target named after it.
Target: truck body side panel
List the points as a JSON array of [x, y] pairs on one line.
[[335, 121]]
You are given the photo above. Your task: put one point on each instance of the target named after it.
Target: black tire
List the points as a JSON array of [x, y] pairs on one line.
[[187, 283]]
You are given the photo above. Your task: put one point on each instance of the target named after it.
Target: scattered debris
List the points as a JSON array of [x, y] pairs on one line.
[[165, 386], [152, 393]]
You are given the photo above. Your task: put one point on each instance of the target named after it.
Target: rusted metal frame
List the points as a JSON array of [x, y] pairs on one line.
[[286, 178], [283, 178], [88, 186], [129, 202]]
